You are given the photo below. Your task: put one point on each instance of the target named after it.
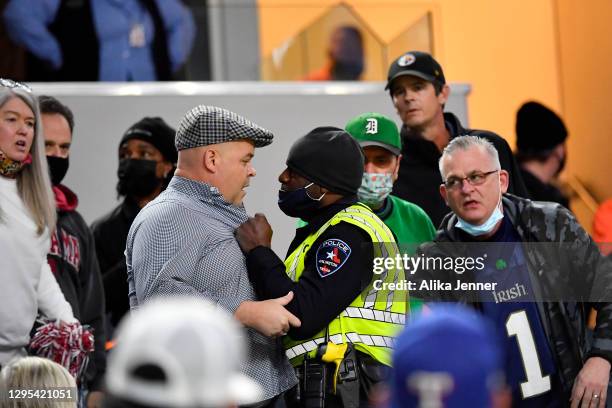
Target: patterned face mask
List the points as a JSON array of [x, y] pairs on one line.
[[9, 167], [375, 187]]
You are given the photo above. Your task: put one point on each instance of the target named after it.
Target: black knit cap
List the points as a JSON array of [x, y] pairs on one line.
[[329, 157], [538, 128], [154, 131]]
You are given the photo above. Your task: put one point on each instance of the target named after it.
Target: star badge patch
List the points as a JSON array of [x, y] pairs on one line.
[[331, 255]]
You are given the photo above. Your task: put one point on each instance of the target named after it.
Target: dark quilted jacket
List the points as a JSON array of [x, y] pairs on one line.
[[569, 273]]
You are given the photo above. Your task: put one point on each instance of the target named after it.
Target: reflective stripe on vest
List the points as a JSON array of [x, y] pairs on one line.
[[371, 296], [355, 338], [374, 317], [373, 314]]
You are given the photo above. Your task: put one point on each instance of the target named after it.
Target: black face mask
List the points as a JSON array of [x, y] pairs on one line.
[[58, 167], [298, 203], [137, 178]]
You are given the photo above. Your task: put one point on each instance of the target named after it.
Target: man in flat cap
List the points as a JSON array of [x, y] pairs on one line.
[[347, 315], [182, 243], [541, 151]]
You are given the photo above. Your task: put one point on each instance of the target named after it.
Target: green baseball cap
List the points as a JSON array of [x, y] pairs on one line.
[[375, 129]]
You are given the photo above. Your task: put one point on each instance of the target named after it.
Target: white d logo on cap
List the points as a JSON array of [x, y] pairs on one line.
[[406, 60], [372, 126]]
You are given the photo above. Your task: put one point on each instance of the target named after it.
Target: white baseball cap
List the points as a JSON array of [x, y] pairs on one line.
[[180, 352]]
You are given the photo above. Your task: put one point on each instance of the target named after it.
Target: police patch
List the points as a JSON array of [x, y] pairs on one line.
[[331, 255]]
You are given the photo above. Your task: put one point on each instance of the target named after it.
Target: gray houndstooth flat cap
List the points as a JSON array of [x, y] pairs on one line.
[[206, 125]]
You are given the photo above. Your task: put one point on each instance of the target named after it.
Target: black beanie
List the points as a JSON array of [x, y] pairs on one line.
[[329, 157], [538, 128], [154, 131]]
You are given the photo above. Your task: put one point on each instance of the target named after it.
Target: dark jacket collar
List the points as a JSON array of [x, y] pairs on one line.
[[413, 144], [451, 122], [453, 125], [322, 215], [129, 209]]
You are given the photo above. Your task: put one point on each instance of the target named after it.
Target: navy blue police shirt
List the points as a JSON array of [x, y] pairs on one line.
[[529, 365]]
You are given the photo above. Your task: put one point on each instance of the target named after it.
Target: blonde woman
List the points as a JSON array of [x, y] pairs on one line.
[[51, 385], [27, 214]]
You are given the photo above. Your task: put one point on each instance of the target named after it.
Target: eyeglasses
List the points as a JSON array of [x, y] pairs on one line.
[[9, 83], [475, 179]]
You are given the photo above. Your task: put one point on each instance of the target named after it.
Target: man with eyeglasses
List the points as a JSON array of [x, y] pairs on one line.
[[419, 91], [541, 286]]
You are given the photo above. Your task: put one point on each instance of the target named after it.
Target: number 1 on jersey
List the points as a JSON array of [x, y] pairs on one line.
[[518, 325]]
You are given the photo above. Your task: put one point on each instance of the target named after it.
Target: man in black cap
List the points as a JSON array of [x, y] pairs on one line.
[[348, 313], [541, 151], [147, 158], [419, 92]]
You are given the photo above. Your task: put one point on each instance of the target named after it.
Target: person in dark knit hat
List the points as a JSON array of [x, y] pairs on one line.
[[337, 296], [147, 159], [541, 151]]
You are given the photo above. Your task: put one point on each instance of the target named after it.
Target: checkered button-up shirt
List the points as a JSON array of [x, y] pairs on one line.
[[182, 243]]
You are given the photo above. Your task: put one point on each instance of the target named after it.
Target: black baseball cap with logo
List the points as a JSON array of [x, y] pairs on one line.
[[416, 63]]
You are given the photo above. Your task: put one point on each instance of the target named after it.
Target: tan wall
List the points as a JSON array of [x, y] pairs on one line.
[[505, 49], [586, 78], [557, 52]]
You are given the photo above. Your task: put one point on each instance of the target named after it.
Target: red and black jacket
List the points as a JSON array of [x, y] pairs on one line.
[[73, 260]]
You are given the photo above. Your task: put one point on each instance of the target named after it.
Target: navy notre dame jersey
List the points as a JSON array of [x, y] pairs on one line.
[[529, 365]]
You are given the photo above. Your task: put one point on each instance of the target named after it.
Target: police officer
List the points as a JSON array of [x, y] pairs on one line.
[[329, 268]]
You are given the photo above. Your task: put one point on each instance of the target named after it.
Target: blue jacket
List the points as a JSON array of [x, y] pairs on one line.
[[28, 24]]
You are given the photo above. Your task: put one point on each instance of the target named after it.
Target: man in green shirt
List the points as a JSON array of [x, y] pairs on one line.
[[380, 139]]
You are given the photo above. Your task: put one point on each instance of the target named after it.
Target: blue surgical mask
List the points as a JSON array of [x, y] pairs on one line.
[[487, 226], [298, 203], [477, 230], [375, 188]]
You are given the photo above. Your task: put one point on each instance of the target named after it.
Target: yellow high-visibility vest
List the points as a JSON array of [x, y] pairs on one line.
[[375, 317]]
